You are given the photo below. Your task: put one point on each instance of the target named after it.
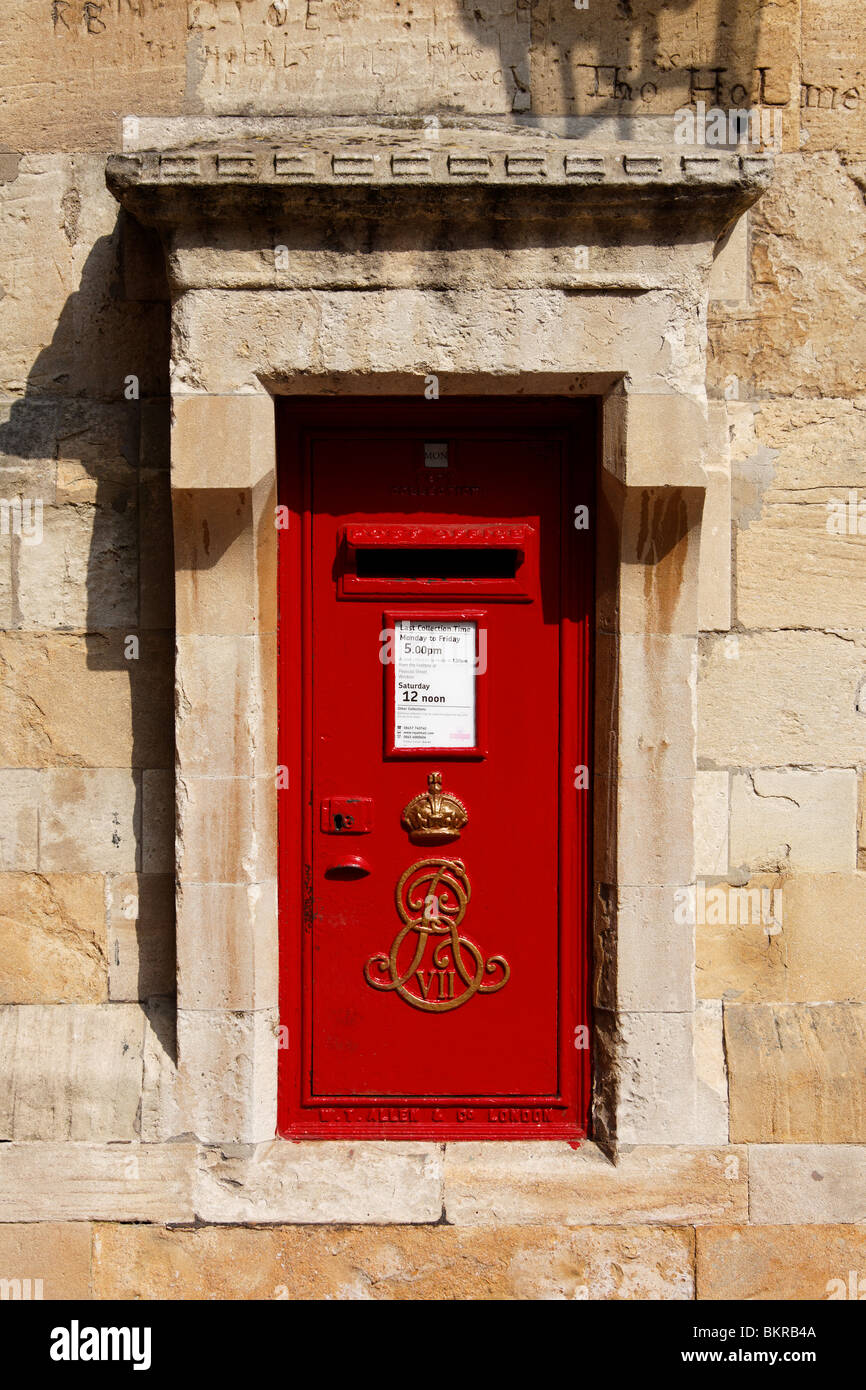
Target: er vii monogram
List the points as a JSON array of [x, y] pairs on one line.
[[431, 899]]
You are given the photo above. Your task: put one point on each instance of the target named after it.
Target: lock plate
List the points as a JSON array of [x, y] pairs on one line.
[[346, 815]]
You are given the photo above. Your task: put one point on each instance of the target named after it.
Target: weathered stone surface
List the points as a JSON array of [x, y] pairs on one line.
[[809, 1262], [712, 1122], [67, 71], [89, 819], [227, 829], [803, 690], [794, 821], [141, 951], [651, 58], [714, 578], [155, 544], [804, 939], [83, 573], [241, 431], [309, 1182], [223, 732], [216, 563], [410, 332], [99, 1182], [644, 951], [296, 58], [71, 1072], [81, 701], [397, 1263], [53, 939], [808, 288], [644, 830], [161, 1118], [799, 557], [227, 1062], [19, 818], [809, 1183], [649, 1060], [712, 805], [227, 946], [833, 110], [157, 821], [512, 1183], [57, 1255], [797, 1072]]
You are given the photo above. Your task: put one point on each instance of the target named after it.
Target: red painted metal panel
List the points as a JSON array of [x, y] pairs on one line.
[[434, 964]]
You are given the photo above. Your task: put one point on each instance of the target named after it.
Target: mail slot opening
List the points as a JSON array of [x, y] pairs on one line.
[[437, 562]]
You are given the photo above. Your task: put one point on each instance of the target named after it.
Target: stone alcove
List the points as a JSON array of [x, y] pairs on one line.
[[350, 260]]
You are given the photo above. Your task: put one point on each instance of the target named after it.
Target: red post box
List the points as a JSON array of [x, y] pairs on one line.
[[435, 680]]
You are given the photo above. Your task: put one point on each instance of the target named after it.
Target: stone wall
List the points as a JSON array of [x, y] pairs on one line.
[[89, 1184]]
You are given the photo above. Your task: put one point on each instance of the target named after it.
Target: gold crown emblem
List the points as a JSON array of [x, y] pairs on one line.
[[434, 815]]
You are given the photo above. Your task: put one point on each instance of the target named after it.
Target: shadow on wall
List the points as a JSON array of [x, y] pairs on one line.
[[104, 569], [614, 58]]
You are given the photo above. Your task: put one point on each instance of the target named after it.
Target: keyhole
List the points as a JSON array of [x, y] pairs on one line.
[[338, 821]]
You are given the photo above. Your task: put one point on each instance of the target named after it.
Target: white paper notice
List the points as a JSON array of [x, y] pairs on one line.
[[434, 684]]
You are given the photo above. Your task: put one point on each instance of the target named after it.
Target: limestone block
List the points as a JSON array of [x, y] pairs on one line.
[[644, 952], [241, 440], [96, 1182], [381, 1183], [72, 1072], [216, 581], [52, 939], [808, 286], [797, 1072], [141, 934], [227, 946], [805, 1184], [799, 550], [656, 679], [833, 109], [395, 1263], [88, 820], [799, 939], [655, 532], [57, 1255], [512, 1183], [161, 1117], [649, 58], [19, 818], [791, 570], [228, 1074], [155, 547], [652, 440], [157, 820], [643, 830], [110, 59], [729, 277], [355, 59], [83, 572], [223, 731], [781, 1263], [780, 698], [654, 337], [711, 822], [111, 483], [227, 829], [80, 700], [796, 821], [712, 1073], [650, 1068], [68, 331]]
